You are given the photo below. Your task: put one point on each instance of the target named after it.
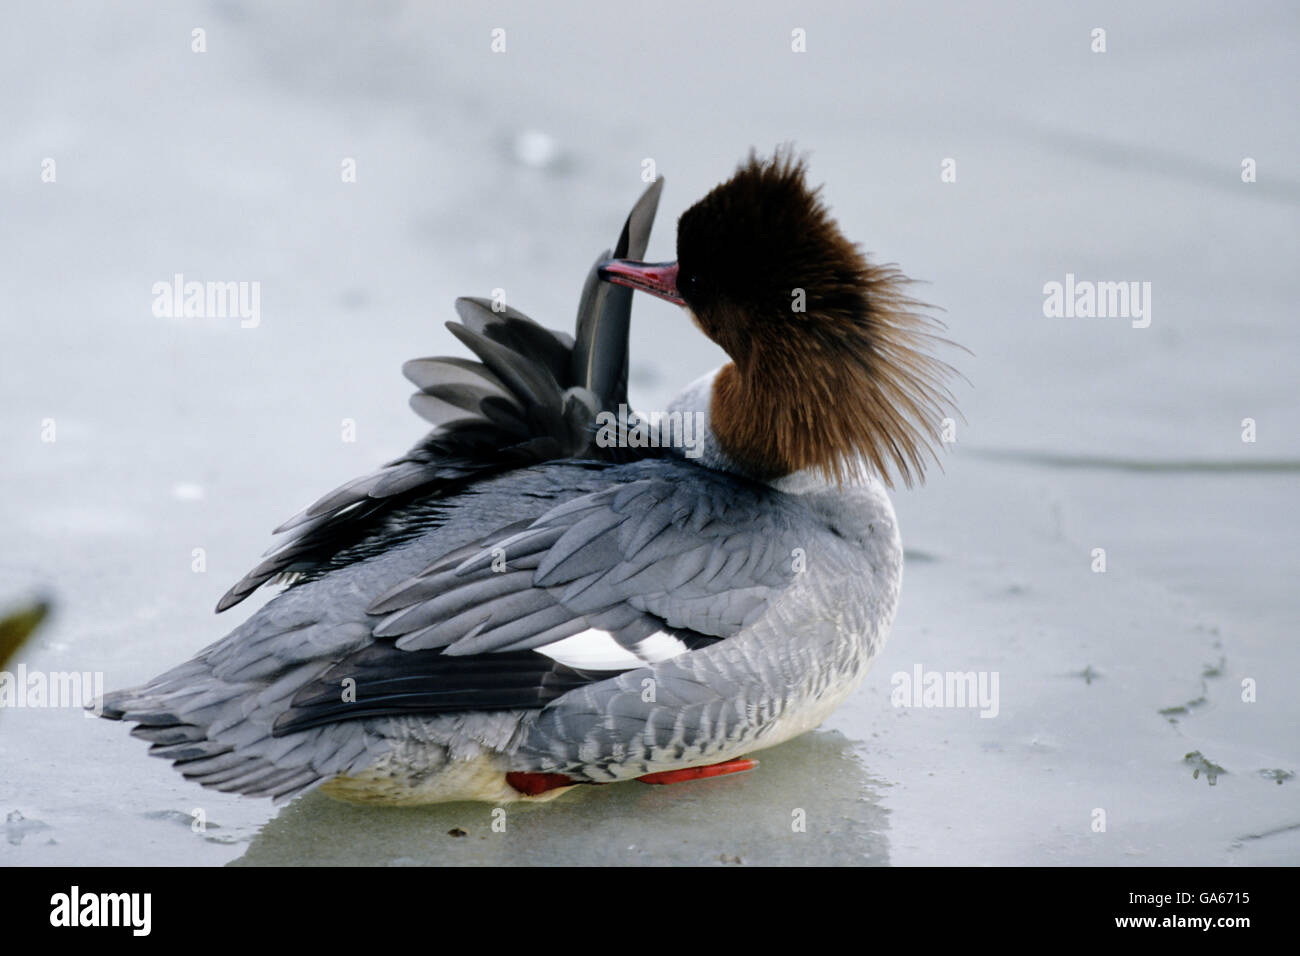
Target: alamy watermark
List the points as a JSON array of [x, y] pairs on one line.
[[131, 911], [21, 688], [957, 689], [179, 299], [631, 429], [1085, 299]]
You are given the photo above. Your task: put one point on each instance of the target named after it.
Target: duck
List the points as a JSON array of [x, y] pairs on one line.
[[515, 609]]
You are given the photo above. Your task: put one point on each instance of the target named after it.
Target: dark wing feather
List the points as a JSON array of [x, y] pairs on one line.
[[392, 683], [600, 353], [532, 397]]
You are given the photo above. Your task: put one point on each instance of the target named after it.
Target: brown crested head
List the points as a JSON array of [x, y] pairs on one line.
[[831, 360]]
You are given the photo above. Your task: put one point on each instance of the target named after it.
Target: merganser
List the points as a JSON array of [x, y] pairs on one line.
[[510, 610]]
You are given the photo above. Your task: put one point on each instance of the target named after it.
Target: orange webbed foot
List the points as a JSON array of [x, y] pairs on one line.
[[740, 765]]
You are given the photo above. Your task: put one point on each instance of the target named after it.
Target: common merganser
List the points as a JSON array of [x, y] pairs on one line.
[[510, 610]]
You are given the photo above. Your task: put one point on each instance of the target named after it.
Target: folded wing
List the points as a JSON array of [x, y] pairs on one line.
[[668, 560]]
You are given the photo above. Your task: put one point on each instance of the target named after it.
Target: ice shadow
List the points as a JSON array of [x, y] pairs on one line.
[[748, 819]]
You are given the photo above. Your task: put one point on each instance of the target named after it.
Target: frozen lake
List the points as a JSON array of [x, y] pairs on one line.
[[478, 170]]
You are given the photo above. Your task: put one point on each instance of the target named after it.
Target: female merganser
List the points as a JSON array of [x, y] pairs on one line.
[[510, 610]]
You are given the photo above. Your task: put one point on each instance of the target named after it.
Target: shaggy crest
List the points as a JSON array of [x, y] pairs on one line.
[[831, 363]]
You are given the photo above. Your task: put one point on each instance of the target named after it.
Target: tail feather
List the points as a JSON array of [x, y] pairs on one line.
[[213, 716]]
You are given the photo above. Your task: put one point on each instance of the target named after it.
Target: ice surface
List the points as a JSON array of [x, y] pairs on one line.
[[477, 171]]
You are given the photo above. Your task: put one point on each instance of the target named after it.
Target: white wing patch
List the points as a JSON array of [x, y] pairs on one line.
[[659, 647], [597, 650]]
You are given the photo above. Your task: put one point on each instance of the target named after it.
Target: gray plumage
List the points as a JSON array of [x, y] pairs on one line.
[[216, 715]]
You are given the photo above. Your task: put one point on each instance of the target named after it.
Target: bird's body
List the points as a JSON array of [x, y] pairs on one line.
[[509, 610], [780, 675]]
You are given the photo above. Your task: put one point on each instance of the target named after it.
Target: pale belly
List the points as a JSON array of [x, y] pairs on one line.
[[480, 779]]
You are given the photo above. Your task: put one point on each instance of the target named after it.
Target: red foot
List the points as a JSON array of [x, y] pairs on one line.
[[532, 784], [699, 773]]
